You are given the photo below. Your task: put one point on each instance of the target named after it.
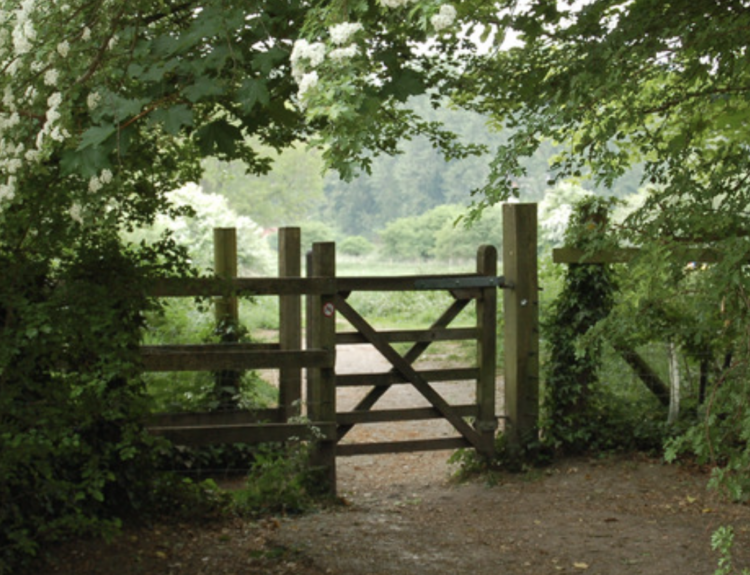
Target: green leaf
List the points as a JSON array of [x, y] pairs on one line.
[[173, 118], [85, 162], [219, 138], [96, 135], [251, 93], [203, 88], [408, 83]]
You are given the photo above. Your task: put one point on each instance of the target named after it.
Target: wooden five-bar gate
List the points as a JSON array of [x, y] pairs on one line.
[[327, 295]]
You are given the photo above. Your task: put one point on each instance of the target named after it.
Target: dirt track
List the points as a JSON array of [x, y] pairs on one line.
[[403, 516]]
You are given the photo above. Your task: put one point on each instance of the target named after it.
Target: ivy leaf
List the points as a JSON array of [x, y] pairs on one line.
[[251, 93], [219, 138]]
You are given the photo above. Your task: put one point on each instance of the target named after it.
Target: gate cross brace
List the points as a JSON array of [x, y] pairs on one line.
[[410, 357], [401, 365]]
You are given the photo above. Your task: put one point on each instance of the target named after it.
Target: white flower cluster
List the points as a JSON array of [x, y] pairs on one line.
[[306, 56], [92, 100], [347, 53], [308, 81], [51, 127], [341, 33], [63, 48], [395, 3], [444, 18], [96, 183], [24, 32]]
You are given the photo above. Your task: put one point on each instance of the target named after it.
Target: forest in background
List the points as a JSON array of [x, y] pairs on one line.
[[298, 190]]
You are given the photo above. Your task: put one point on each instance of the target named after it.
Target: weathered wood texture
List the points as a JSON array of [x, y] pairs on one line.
[[244, 433], [321, 381], [290, 322], [521, 305], [486, 308], [327, 295]]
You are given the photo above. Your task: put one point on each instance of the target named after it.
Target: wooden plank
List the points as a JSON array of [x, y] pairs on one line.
[[410, 356], [208, 418], [226, 311], [386, 379], [402, 283], [405, 414], [290, 321], [321, 381], [213, 360], [440, 444], [486, 308], [208, 348], [247, 433], [401, 365], [401, 336], [193, 287], [521, 309]]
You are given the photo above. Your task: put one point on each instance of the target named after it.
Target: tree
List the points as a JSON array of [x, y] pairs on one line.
[[288, 194]]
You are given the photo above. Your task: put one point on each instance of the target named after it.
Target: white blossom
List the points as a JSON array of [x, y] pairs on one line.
[[92, 101], [340, 33], [50, 77], [309, 81], [54, 100], [344, 53], [76, 213], [444, 18], [63, 48], [106, 176], [86, 34], [8, 189], [395, 3], [305, 54], [315, 53], [9, 99], [94, 184]]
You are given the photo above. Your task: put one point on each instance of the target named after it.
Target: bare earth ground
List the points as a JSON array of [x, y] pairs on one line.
[[402, 514]]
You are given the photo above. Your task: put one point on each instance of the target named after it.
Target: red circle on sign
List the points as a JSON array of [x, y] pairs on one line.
[[328, 309]]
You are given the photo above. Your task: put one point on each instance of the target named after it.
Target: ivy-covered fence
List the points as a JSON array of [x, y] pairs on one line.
[[671, 317]]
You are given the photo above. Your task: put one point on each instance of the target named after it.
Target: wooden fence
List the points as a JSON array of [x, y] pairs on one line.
[[326, 295]]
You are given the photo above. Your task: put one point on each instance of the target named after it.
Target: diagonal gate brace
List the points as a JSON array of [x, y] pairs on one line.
[[406, 370], [410, 357]]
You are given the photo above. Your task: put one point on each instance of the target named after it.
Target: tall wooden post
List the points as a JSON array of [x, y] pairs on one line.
[[486, 422], [321, 382], [521, 304], [290, 323], [225, 266], [226, 313]]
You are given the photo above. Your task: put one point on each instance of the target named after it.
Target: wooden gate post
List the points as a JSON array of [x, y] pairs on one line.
[[290, 323], [321, 382], [226, 313], [521, 302], [486, 423]]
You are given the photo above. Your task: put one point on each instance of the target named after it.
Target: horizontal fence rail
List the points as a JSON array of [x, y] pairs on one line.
[[326, 297]]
